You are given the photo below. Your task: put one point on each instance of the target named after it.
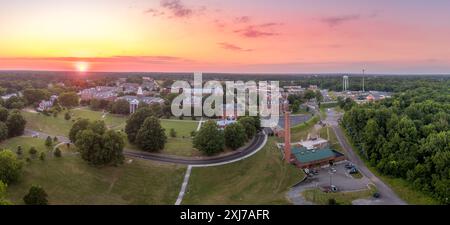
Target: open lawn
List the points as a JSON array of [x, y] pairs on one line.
[[261, 179], [59, 126], [26, 143], [181, 145], [48, 124], [343, 198], [174, 146], [182, 127], [327, 133], [70, 180]]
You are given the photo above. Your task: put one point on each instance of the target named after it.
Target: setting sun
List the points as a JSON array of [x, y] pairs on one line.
[[82, 66]]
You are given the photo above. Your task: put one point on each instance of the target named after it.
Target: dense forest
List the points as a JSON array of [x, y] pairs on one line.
[[407, 136]]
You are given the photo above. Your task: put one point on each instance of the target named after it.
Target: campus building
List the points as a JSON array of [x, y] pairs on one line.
[[307, 154]]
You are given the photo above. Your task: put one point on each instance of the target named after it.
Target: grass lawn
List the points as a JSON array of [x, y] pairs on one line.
[[48, 124], [260, 179], [328, 133], [182, 127], [400, 186], [59, 126], [174, 146], [178, 145], [343, 198], [111, 120], [70, 180], [300, 132], [26, 143]]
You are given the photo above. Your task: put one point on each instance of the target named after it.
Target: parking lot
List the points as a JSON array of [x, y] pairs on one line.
[[339, 177], [324, 177]]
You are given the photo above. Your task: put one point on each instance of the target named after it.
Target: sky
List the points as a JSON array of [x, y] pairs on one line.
[[233, 36]]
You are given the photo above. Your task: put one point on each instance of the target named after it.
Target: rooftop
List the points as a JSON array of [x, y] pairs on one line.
[[303, 155]]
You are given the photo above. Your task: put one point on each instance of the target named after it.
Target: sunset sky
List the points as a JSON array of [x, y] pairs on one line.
[[284, 36]]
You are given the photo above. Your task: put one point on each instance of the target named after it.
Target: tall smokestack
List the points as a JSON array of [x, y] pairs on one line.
[[287, 133]]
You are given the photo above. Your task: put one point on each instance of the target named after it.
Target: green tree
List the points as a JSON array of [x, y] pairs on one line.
[[3, 200], [48, 142], [156, 110], [15, 123], [42, 156], [89, 144], [173, 133], [19, 150], [67, 116], [113, 144], [68, 99], [249, 125], [98, 146], [97, 126], [57, 153], [134, 123], [79, 125], [15, 103], [235, 135], [34, 96], [10, 167], [151, 136], [3, 131], [209, 139], [3, 114], [32, 151], [309, 94], [121, 106], [36, 196]]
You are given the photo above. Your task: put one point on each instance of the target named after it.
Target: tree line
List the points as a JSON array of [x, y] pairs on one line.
[[406, 136]]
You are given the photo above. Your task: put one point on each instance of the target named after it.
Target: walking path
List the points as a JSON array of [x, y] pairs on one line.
[[200, 124], [184, 185]]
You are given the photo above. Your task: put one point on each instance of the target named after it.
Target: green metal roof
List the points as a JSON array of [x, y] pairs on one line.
[[304, 155]]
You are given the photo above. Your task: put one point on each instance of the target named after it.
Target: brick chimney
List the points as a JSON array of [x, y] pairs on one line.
[[287, 134]]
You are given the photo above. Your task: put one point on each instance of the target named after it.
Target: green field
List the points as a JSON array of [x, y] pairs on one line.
[[60, 126], [343, 198], [181, 145], [261, 179], [70, 180], [328, 133], [26, 143]]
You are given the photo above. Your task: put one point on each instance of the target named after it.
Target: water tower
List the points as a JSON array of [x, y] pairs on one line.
[[344, 83]]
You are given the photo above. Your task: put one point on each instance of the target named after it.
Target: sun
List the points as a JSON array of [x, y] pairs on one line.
[[82, 66]]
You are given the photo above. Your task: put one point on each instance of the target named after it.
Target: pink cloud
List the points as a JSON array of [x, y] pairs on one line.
[[177, 8], [242, 19], [256, 31], [233, 47]]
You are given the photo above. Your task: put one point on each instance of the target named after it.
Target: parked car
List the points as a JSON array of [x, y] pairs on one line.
[[333, 188], [353, 170], [349, 165]]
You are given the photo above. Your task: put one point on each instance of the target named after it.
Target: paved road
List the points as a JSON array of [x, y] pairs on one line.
[[258, 142], [388, 196]]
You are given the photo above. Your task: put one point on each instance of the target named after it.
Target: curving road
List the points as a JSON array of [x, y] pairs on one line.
[[258, 142]]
